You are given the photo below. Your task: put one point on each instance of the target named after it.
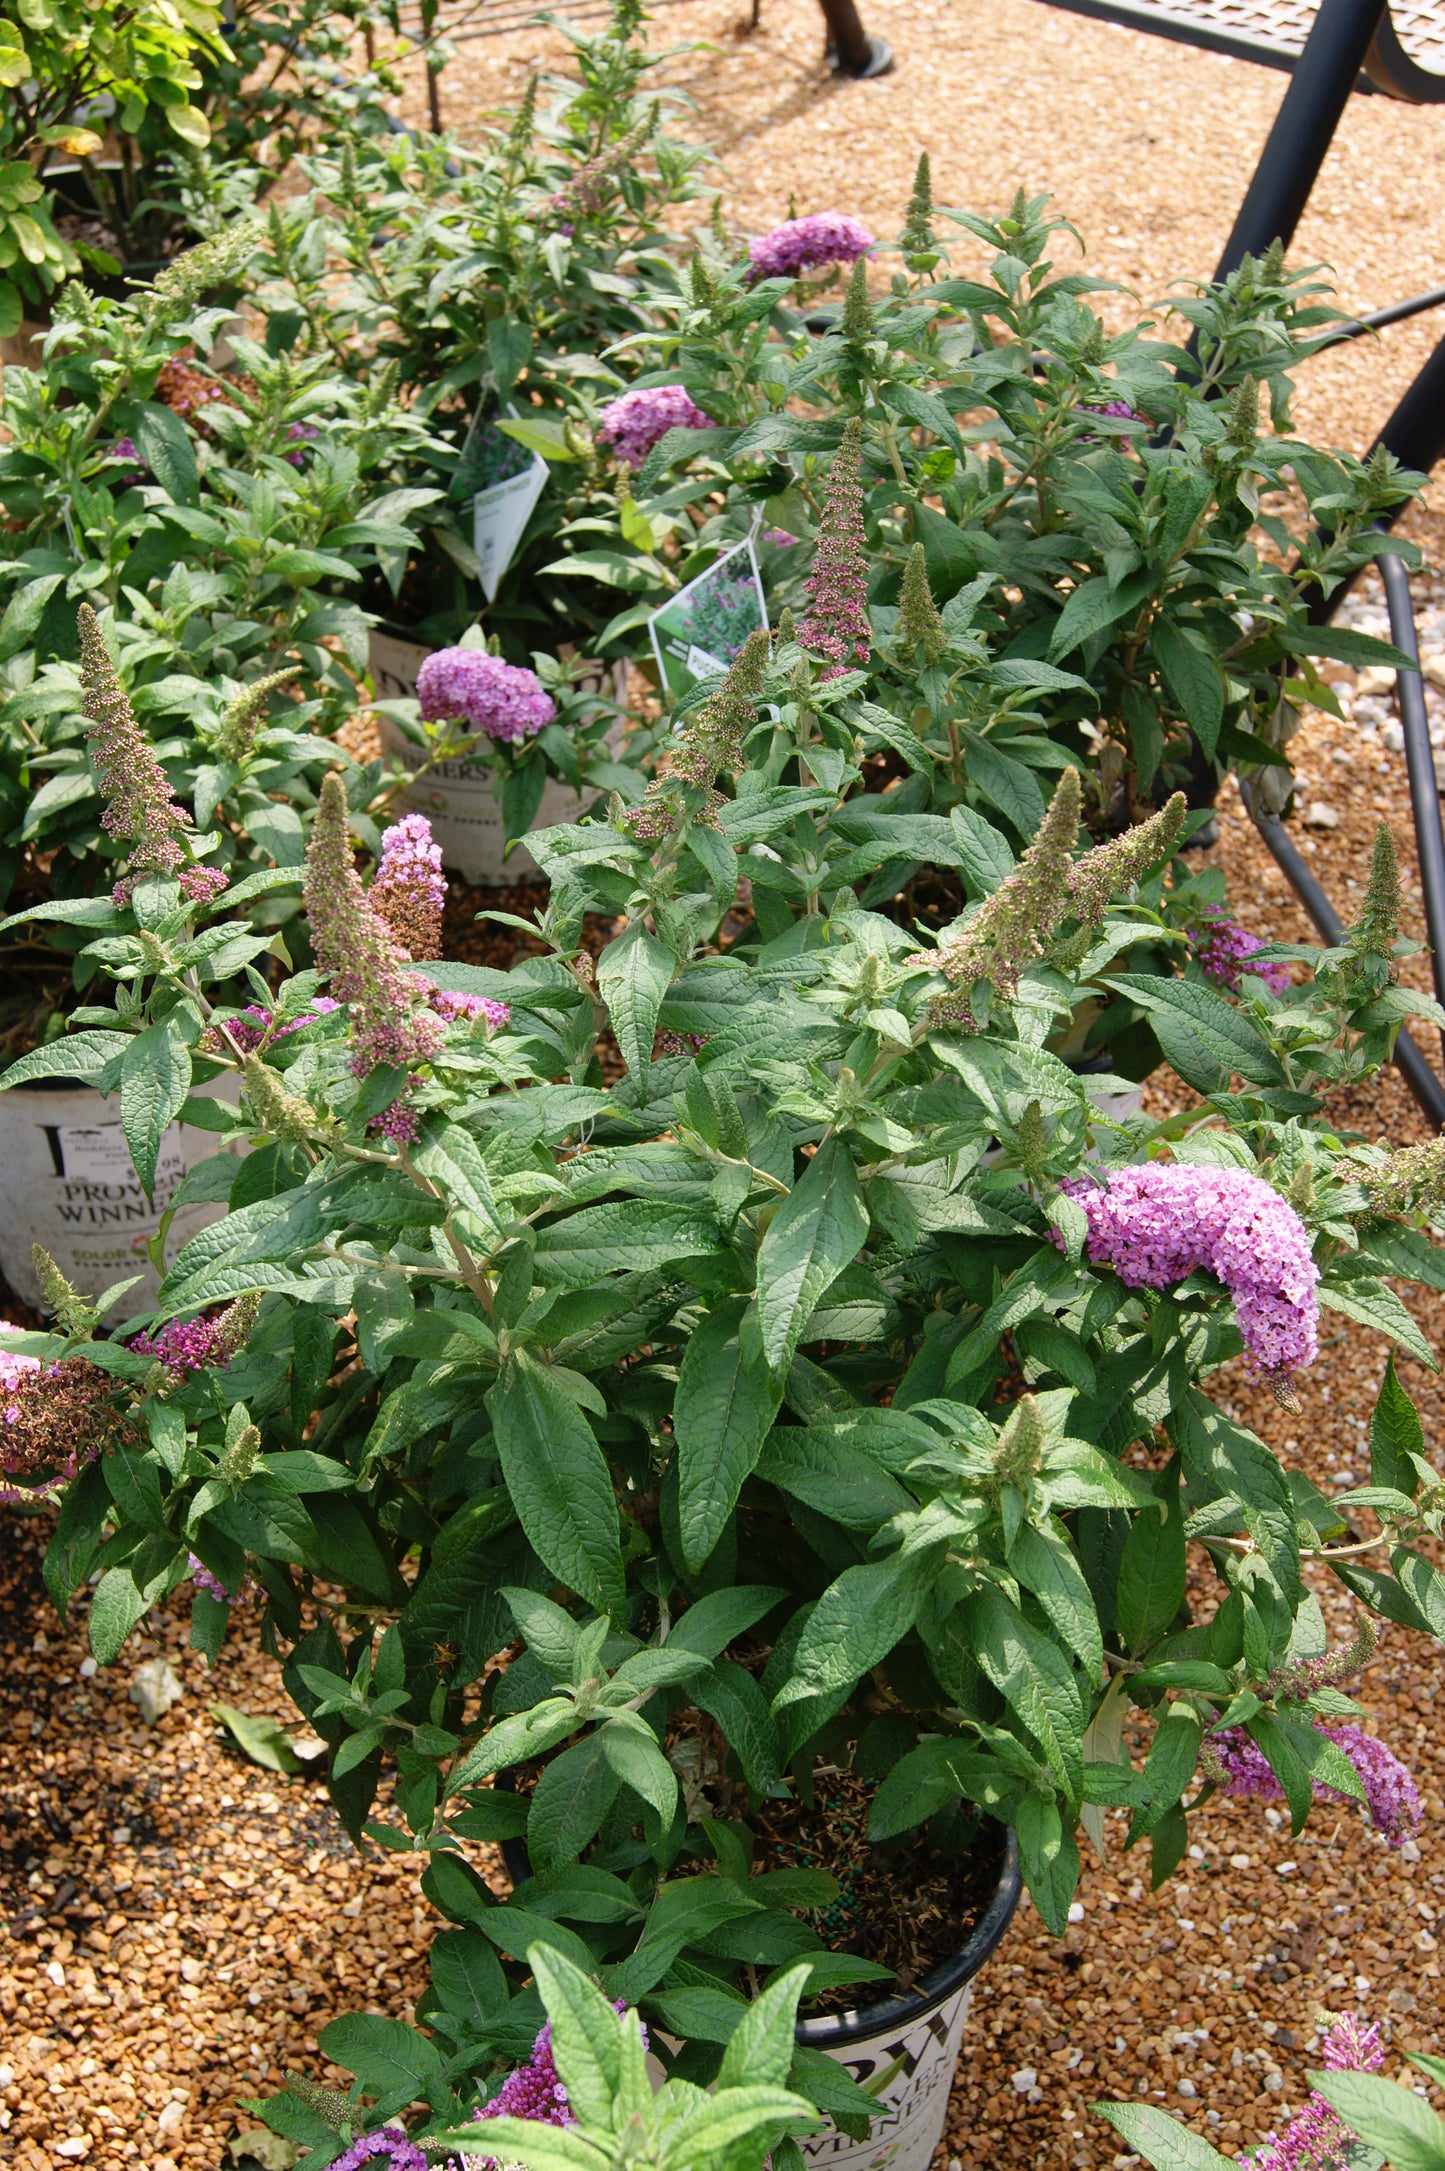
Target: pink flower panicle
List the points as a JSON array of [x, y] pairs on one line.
[[353, 946], [1317, 2138], [641, 418], [139, 807], [669, 1043], [836, 622], [255, 1023], [501, 700], [807, 244], [1223, 950], [54, 1420], [410, 892], [451, 1004], [536, 2089], [1239, 1768], [1156, 1224]]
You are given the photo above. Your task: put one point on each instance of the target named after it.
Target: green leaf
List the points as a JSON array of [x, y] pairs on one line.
[[1203, 1036], [526, 2140], [817, 1231], [155, 1077], [1034, 1678], [392, 2062], [1387, 2117], [710, 1624], [1048, 1857], [729, 1694], [761, 2047], [723, 1410], [1372, 1303], [165, 445], [598, 2052], [633, 975], [452, 1159], [83, 1056], [983, 852], [641, 1765], [1423, 1585], [623, 1236], [1193, 678], [1396, 1436], [856, 1622], [558, 1478], [1093, 605], [572, 1797], [468, 1977], [262, 1740], [1007, 784], [1342, 645], [1150, 1588], [1044, 1561], [1161, 2140]]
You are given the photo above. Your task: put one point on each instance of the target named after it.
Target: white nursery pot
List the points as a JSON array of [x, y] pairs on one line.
[[66, 1182], [457, 797], [920, 2035]]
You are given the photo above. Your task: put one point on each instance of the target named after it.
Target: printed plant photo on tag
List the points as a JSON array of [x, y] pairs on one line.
[[698, 633]]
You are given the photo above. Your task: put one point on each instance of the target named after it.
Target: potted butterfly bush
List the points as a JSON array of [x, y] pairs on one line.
[[770, 1478]]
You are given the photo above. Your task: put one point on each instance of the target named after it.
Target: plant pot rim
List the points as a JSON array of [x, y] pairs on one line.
[[834, 2031]]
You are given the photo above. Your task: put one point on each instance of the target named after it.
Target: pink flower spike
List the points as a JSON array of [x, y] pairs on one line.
[[1157, 1224], [807, 244], [500, 700], [641, 418]]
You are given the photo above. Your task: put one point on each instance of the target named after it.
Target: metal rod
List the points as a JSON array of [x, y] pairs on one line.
[[1356, 327], [1211, 37], [1420, 764], [1309, 113], [1415, 432], [1410, 1059]]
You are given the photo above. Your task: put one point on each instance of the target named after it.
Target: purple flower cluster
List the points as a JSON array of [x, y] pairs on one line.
[[450, 1004], [641, 418], [304, 431], [1116, 410], [196, 1345], [467, 686], [799, 245], [410, 891], [383, 2145], [126, 448], [1156, 1224], [200, 884], [212, 1585], [1223, 950], [354, 946], [779, 537], [249, 1030], [1317, 2138], [1239, 1768], [669, 1043], [535, 2090], [399, 1122]]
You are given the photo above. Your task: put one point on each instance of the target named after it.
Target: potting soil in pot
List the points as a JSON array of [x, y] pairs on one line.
[[909, 1907]]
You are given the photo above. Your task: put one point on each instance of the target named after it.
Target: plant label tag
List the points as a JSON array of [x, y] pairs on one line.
[[511, 480], [698, 632]]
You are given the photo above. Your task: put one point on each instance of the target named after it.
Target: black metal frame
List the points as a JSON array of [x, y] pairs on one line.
[[1347, 35]]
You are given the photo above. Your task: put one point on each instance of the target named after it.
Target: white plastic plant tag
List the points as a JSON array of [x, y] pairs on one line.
[[511, 480]]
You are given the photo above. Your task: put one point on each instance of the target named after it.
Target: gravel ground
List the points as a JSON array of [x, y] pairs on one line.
[[180, 1924]]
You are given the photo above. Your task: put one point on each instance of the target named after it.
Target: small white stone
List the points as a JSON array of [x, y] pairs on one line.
[[154, 1687], [55, 1973], [1076, 1910], [1320, 816], [120, 1836], [1393, 736], [88, 1667], [78, 2145], [1274, 2082], [171, 2119], [1286, 1869], [1376, 678], [1409, 1852], [1025, 2079], [1362, 1986], [1186, 2088], [1239, 1861], [1432, 668]]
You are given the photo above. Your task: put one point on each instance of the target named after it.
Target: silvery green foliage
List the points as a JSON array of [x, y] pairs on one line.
[[218, 548], [764, 1395], [1098, 523]]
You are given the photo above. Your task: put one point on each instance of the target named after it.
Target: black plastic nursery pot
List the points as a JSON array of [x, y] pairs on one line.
[[913, 2039]]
